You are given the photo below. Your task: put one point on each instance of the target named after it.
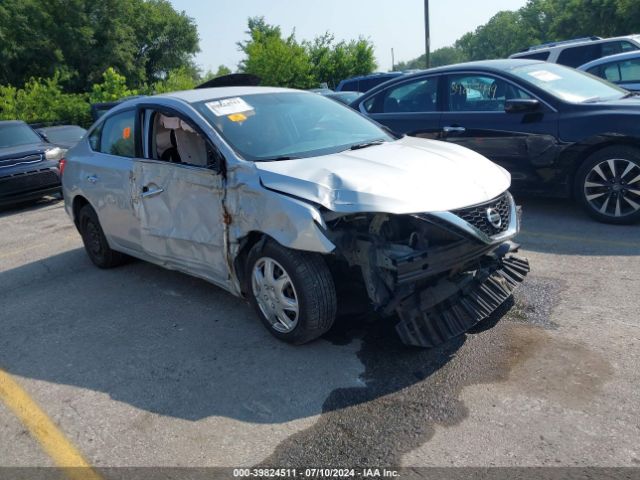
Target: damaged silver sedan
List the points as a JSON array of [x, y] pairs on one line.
[[298, 204]]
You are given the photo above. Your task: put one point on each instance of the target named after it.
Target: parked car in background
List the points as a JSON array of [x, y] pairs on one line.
[[28, 164], [62, 135], [283, 196], [364, 83], [343, 97], [99, 109], [622, 69], [579, 51], [557, 130]]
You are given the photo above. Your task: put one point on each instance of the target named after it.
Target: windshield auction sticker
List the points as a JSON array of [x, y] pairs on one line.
[[545, 75], [229, 106]]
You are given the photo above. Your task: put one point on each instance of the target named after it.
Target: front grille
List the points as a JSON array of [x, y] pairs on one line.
[[27, 182], [477, 215], [37, 157]]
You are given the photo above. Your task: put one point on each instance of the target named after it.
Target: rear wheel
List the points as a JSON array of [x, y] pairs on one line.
[[95, 243], [608, 185], [293, 292]]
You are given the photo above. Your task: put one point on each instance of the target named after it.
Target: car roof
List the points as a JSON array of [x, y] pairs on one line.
[[610, 58], [499, 65], [374, 75], [202, 94], [571, 43]]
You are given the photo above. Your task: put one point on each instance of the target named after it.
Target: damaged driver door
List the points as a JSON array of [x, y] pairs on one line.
[[178, 199]]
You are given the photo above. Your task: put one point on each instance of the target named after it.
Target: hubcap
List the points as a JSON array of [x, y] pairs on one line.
[[612, 187], [275, 294]]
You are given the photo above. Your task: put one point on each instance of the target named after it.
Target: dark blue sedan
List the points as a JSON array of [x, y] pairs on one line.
[[558, 131], [28, 164]]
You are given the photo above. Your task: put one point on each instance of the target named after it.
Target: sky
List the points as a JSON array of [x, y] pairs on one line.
[[388, 24]]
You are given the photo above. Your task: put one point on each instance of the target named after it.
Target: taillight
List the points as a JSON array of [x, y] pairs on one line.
[[61, 164]]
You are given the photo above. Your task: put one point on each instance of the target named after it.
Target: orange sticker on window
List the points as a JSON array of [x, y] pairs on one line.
[[237, 117], [126, 133]]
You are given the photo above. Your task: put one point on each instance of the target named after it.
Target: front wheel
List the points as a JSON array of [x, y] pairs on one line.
[[293, 292], [608, 185]]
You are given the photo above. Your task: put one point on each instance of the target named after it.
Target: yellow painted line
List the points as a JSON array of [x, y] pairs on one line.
[[572, 238], [52, 440]]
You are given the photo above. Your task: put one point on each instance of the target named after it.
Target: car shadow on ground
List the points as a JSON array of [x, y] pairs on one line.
[[21, 207], [559, 226], [174, 345]]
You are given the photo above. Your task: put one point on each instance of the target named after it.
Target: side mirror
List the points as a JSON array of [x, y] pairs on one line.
[[43, 136], [521, 105]]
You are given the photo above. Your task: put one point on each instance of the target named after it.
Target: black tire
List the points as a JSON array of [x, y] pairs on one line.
[[613, 201], [311, 284], [95, 243]]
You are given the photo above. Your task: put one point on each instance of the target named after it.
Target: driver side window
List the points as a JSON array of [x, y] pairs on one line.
[[175, 140], [481, 93]]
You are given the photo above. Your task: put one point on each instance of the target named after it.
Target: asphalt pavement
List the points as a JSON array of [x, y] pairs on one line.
[[140, 366]]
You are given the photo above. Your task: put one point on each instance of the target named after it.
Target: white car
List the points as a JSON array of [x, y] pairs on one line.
[[284, 197], [578, 51]]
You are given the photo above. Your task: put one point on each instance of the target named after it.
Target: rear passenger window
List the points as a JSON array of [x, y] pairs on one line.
[[536, 56], [611, 72], [118, 135], [411, 97], [576, 56], [630, 70]]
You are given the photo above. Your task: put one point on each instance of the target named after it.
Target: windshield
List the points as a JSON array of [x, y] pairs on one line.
[[14, 134], [277, 126], [66, 134], [568, 84]]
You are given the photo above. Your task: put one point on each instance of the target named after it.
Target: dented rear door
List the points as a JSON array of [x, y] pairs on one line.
[[179, 208]]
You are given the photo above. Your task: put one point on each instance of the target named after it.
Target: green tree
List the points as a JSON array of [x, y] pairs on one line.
[[332, 62], [143, 39], [222, 70], [178, 79], [113, 87], [440, 57], [277, 61], [42, 100]]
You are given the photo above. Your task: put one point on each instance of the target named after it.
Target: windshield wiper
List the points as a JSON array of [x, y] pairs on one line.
[[358, 146], [630, 94]]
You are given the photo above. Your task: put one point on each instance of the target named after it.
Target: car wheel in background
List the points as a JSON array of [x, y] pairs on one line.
[[95, 243], [608, 185], [293, 292]]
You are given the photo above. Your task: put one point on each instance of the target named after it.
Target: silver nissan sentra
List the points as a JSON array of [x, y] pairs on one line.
[[298, 203]]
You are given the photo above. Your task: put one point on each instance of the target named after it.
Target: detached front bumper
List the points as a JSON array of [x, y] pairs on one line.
[[436, 314]]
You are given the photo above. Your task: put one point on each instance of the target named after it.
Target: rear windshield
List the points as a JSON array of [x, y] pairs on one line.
[[16, 134]]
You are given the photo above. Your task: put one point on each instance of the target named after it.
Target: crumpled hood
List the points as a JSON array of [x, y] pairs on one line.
[[409, 175]]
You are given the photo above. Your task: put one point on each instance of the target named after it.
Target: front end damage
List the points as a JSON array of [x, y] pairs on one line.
[[441, 272]]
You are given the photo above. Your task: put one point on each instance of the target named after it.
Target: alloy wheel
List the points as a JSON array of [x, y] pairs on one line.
[[612, 187], [275, 294]]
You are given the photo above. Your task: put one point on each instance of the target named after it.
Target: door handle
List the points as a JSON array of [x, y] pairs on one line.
[[150, 192], [452, 129], [92, 178]]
